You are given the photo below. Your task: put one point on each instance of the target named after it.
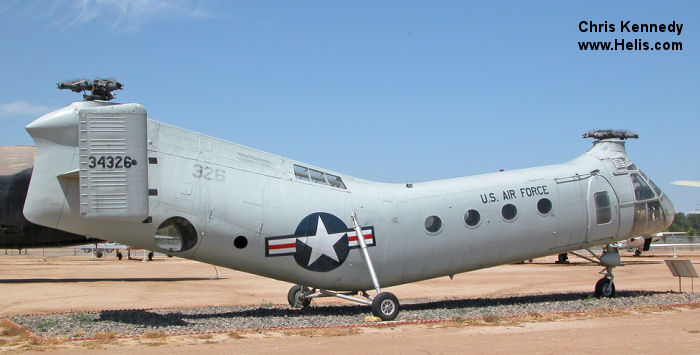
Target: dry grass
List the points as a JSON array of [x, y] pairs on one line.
[[105, 336], [322, 332], [235, 335], [534, 316], [8, 329], [206, 336], [155, 335], [18, 338], [492, 318], [11, 334]]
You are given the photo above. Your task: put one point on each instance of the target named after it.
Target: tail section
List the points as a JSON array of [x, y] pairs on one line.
[[91, 163]]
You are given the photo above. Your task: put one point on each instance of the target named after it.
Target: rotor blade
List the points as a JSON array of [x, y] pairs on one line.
[[691, 183]]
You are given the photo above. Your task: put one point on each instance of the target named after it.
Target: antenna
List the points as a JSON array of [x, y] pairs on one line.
[[100, 89], [610, 133]]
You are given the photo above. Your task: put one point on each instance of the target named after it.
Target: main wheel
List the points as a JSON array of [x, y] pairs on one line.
[[385, 306], [119, 255], [150, 256], [295, 297], [605, 288]]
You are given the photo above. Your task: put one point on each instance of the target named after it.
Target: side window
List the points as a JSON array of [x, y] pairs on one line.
[[472, 218], [301, 172], [603, 211], [319, 177], [335, 181], [433, 224], [642, 191], [544, 206], [509, 211]]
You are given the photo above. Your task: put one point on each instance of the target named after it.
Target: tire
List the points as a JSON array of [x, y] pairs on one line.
[[605, 288], [119, 255], [98, 254], [385, 306], [637, 252], [150, 256], [294, 297]]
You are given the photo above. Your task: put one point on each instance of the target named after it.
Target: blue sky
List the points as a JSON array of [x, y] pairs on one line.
[[432, 89]]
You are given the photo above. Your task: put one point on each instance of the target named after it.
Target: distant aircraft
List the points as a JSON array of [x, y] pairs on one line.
[[18, 233], [98, 249], [641, 244], [106, 171]]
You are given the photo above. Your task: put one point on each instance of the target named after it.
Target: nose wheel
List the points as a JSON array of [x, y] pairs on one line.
[[609, 258], [605, 287]]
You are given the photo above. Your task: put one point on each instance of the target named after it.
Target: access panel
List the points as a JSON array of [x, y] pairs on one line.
[[113, 162]]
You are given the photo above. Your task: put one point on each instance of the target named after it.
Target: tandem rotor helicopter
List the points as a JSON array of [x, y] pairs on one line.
[[106, 171]]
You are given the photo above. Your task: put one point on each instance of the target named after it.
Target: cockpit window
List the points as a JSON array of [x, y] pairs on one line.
[[642, 191], [656, 188], [653, 185]]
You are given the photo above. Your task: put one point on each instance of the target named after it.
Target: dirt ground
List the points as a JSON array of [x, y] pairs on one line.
[[47, 281]]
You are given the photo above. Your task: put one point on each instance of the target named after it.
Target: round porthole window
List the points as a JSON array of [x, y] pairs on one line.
[[240, 242], [433, 224], [509, 211], [472, 218], [544, 206]]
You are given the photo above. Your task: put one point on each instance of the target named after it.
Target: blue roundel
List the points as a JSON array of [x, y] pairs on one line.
[[322, 242]]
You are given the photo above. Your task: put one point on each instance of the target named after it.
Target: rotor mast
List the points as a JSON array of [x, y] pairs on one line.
[[99, 89]]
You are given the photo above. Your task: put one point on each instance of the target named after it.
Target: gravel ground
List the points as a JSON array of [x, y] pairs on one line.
[[206, 319]]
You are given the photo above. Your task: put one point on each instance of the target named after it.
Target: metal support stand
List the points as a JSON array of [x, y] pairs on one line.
[[365, 254]]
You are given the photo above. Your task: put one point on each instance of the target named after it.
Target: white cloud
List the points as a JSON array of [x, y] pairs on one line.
[[114, 15], [22, 108]]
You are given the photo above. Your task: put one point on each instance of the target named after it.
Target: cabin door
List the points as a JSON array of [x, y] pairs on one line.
[[603, 211]]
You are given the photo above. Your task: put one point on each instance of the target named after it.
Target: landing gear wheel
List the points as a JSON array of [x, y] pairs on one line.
[[294, 297], [119, 255], [637, 252], [385, 306], [605, 288], [150, 256], [98, 254]]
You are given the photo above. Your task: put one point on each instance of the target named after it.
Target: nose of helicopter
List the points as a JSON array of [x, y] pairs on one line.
[[669, 211]]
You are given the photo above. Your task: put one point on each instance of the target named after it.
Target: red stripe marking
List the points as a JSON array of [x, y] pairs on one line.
[[283, 246], [354, 237]]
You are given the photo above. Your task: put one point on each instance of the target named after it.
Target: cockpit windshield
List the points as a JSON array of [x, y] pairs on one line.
[[653, 185], [642, 191]]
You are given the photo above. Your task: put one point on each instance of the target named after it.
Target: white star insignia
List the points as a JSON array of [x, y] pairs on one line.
[[322, 243]]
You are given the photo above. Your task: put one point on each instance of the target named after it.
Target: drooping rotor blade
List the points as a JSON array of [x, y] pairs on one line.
[[691, 183]]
